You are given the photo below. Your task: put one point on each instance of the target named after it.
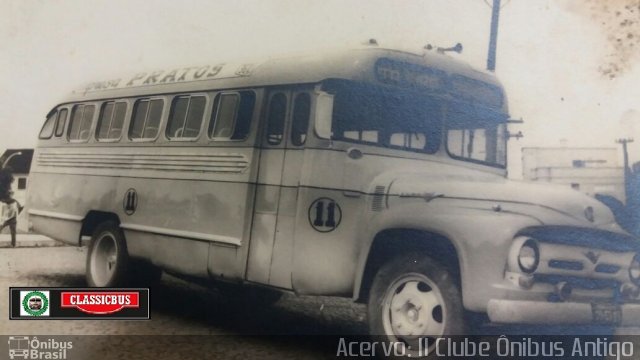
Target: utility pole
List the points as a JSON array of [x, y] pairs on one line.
[[493, 39], [627, 170]]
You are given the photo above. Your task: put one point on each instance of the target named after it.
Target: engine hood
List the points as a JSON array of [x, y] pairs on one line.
[[549, 204]]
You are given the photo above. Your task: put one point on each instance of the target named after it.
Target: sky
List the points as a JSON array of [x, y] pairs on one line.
[[570, 67]]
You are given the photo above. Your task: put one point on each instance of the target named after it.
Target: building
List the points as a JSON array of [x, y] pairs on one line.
[[19, 160], [590, 170]]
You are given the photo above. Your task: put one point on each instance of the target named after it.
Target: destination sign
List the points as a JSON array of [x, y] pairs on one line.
[[404, 74]]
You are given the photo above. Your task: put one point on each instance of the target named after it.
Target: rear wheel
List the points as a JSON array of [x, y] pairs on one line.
[[107, 258], [413, 300]]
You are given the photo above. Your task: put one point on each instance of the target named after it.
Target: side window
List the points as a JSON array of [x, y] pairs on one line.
[[81, 117], [186, 117], [22, 183], [61, 122], [245, 113], [275, 118], [408, 140], [231, 116], [300, 122], [111, 120], [147, 114], [47, 128]]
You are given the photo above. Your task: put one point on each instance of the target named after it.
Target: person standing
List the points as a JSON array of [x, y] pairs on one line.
[[9, 216]]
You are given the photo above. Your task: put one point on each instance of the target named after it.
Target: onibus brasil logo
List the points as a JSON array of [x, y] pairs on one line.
[[34, 303], [25, 347]]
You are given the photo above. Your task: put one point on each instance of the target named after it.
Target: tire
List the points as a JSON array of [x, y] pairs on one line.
[[413, 298], [107, 259]]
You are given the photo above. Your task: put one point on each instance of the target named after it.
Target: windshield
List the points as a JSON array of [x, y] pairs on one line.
[[380, 116], [476, 134], [410, 119]]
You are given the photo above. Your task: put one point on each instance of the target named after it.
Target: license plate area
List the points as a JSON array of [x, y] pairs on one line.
[[606, 313]]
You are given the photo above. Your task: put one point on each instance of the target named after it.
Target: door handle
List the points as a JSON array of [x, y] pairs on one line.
[[351, 194]]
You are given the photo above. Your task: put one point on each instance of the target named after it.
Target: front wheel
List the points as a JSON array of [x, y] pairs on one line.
[[414, 299], [107, 257]]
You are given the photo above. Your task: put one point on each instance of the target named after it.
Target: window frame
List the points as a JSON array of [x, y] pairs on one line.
[[22, 180], [213, 117], [135, 101], [64, 126], [295, 97], [174, 98], [124, 120], [93, 116], [287, 94], [451, 155], [48, 118]]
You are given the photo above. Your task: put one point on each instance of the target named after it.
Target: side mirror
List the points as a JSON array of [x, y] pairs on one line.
[[323, 114]]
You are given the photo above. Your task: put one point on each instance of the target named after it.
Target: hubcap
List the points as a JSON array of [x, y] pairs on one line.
[[104, 259], [413, 309]]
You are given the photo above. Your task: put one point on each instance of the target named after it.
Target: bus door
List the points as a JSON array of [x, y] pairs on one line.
[[285, 129]]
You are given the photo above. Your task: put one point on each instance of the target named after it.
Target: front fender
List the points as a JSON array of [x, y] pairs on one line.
[[482, 239]]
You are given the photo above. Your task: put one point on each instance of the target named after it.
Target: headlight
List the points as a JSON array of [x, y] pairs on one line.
[[634, 270], [529, 257]]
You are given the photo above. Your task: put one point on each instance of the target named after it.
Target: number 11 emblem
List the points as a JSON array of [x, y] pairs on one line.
[[325, 215]]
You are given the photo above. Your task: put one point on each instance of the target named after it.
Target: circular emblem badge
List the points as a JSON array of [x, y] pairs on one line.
[[130, 201], [35, 303], [325, 215]]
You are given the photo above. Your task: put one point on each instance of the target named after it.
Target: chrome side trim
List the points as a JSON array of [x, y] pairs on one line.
[[182, 234], [209, 163], [55, 215]]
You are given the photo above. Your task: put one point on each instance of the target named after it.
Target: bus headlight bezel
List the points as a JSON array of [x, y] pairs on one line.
[[529, 256]]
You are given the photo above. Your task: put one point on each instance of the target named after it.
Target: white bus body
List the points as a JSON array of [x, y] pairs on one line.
[[338, 174]]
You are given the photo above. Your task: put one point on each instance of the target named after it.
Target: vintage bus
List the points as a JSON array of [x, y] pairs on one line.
[[371, 173]]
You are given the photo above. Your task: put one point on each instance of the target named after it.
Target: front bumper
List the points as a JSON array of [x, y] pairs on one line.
[[562, 313]]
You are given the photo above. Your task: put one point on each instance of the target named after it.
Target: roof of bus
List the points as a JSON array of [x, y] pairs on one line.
[[354, 64]]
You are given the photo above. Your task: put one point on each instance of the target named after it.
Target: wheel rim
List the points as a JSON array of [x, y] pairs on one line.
[[413, 310], [104, 259]]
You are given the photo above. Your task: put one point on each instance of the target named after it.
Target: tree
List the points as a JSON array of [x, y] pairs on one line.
[[6, 179]]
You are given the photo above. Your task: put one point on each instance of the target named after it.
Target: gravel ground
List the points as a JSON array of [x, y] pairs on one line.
[[191, 321], [179, 310]]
